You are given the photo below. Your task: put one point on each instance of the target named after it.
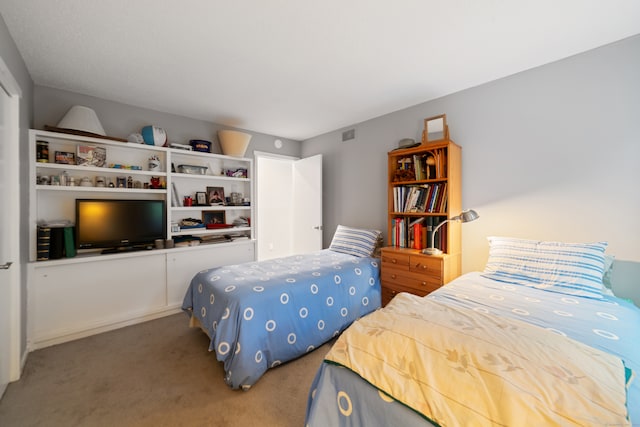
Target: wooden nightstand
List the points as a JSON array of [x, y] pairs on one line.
[[409, 270]]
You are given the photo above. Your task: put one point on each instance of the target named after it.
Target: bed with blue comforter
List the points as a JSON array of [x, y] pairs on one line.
[[261, 314], [501, 347]]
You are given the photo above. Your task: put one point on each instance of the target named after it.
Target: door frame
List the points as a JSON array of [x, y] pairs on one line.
[[12, 88]]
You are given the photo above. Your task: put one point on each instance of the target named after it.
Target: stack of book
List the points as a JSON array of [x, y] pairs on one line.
[[420, 198], [55, 240], [416, 233]]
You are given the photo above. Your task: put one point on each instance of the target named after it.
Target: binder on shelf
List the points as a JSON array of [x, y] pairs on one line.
[[43, 243], [69, 242], [56, 248]]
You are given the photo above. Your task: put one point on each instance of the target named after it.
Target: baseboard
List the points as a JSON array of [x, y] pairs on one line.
[[62, 336]]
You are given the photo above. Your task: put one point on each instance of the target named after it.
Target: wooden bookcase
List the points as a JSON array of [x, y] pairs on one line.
[[424, 187]]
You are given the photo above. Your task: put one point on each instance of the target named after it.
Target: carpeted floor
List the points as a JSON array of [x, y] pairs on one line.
[[157, 373]]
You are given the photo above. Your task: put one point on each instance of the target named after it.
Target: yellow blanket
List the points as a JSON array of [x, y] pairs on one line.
[[459, 367]]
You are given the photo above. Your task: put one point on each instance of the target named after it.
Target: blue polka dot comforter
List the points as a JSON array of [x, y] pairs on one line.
[[261, 314], [339, 397]]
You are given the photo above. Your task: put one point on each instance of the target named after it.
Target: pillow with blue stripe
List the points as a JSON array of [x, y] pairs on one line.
[[567, 268], [355, 241]]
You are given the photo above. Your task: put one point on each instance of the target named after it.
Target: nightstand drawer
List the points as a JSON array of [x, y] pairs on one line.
[[414, 281], [425, 265], [388, 292], [395, 260]]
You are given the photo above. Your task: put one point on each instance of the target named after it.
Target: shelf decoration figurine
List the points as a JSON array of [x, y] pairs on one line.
[[154, 163], [465, 216]]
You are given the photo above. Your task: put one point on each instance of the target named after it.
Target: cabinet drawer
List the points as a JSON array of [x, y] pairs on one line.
[[388, 292], [425, 265], [414, 281], [395, 260]]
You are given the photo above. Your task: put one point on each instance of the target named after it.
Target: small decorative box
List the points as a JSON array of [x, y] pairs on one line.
[[191, 169], [200, 145]]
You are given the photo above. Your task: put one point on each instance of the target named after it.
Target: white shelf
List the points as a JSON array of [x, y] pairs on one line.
[[201, 231], [79, 188], [209, 208], [207, 177], [98, 170]]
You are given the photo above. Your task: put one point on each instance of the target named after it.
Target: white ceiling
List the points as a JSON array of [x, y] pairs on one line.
[[299, 68]]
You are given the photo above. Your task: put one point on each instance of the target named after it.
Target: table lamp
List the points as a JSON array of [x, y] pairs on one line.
[[465, 216]]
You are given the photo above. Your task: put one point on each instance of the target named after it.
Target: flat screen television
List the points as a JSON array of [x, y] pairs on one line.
[[119, 224]]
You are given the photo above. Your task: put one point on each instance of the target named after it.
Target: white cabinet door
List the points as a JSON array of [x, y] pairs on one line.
[[74, 300], [183, 265]]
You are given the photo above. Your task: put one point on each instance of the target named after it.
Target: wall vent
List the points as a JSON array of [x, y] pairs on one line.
[[348, 135]]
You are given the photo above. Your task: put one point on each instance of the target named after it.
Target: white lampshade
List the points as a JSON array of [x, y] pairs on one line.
[[233, 142], [83, 119]]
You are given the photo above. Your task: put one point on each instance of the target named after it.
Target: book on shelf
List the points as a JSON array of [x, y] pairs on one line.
[[417, 236], [399, 232], [440, 241]]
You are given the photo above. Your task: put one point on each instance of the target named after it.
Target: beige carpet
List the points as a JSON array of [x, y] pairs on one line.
[[158, 373]]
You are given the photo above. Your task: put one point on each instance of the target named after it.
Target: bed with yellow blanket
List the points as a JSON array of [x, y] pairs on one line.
[[482, 351]]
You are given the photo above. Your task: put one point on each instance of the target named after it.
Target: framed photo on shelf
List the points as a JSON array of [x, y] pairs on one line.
[[65, 158], [215, 196], [89, 155], [213, 217], [201, 198]]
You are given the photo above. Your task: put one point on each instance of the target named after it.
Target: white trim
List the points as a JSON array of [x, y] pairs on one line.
[[273, 155]]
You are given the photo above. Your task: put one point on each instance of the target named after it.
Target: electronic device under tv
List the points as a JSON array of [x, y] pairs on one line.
[[119, 225]]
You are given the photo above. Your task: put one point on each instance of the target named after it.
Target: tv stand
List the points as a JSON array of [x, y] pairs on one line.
[[122, 249]]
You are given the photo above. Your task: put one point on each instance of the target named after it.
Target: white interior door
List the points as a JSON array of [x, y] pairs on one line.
[[289, 205], [9, 230], [307, 208]]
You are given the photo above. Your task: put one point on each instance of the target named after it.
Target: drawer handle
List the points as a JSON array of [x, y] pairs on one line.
[[393, 261], [424, 283], [393, 276]]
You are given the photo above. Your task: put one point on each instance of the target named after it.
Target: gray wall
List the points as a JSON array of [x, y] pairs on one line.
[[550, 153], [12, 58], [119, 120]]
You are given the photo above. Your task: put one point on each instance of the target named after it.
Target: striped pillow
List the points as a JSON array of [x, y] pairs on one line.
[[355, 241], [568, 268]]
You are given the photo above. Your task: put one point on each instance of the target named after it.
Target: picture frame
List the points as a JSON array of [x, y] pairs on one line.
[[215, 196], [435, 129], [89, 155], [213, 217], [201, 198], [65, 158]]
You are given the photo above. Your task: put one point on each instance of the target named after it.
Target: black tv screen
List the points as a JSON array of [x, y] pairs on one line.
[[104, 223]]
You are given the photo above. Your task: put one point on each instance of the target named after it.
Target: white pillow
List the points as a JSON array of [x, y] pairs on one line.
[[568, 268], [355, 241]]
